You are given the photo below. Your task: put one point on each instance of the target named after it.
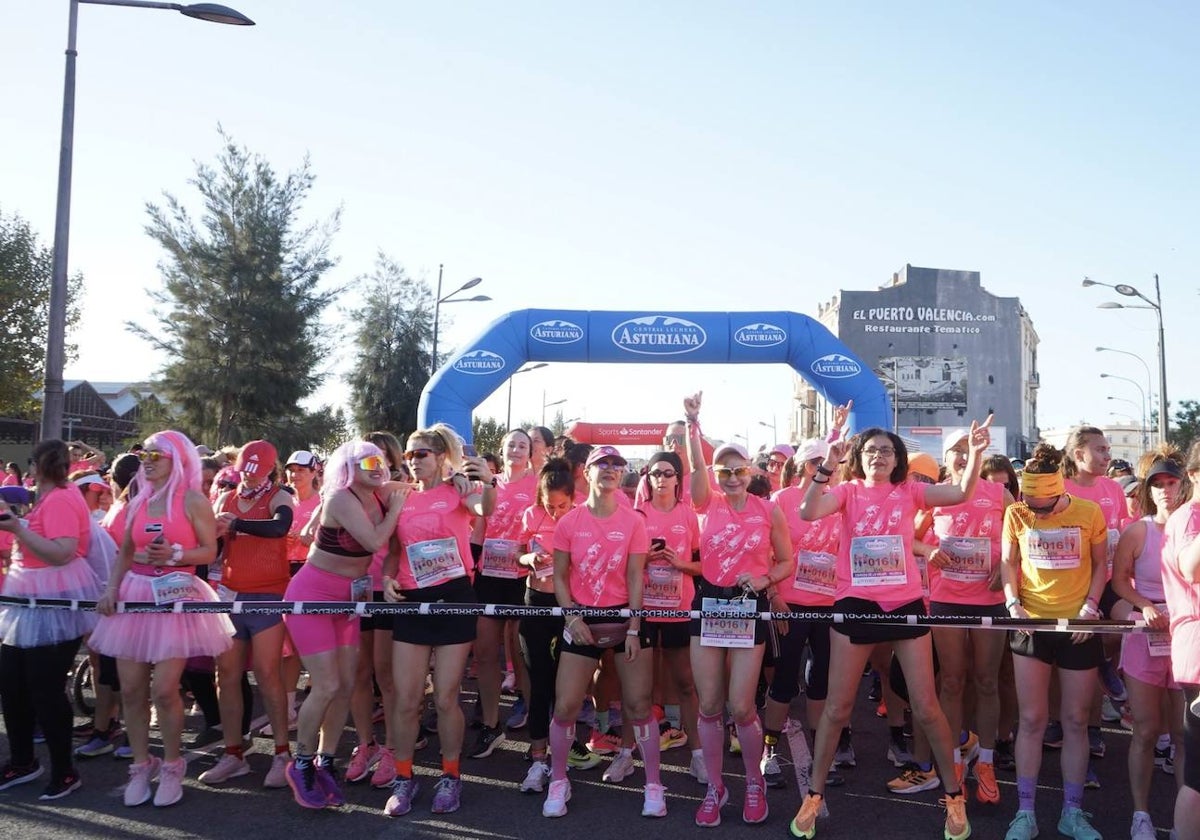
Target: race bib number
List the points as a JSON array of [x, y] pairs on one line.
[[501, 559], [816, 572], [663, 588], [1114, 536], [168, 589], [1054, 548], [435, 561], [1159, 644], [968, 559], [360, 588], [878, 561], [728, 632]]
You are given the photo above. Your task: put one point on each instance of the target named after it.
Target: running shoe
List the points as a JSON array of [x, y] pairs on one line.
[[137, 789], [1053, 736], [489, 738], [509, 684], [1073, 822], [587, 714], [1023, 827], [1142, 828], [362, 761], [986, 789], [385, 770], [581, 758], [1091, 781], [709, 813], [602, 743], [843, 756], [898, 753], [769, 766], [229, 767], [913, 780], [804, 824], [876, 692], [620, 768], [754, 806], [697, 767], [1096, 744], [124, 752], [536, 778], [557, 799], [881, 709], [1168, 765], [277, 775], [1110, 712], [293, 717], [1003, 757], [99, 744], [170, 783], [735, 745], [327, 782], [447, 795], [1111, 681], [84, 730], [958, 827], [654, 801], [520, 714], [62, 786], [404, 791], [671, 738], [968, 747], [303, 782]]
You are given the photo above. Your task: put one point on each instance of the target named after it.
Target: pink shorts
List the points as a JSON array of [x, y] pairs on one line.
[[1137, 662], [312, 634]]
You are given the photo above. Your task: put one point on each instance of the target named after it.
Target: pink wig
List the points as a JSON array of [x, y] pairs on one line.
[[339, 469], [185, 471]]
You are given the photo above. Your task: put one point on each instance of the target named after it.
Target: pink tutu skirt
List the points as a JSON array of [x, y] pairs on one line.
[[156, 637], [28, 627]]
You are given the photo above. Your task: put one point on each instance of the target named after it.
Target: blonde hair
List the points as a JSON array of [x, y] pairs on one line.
[[443, 440]]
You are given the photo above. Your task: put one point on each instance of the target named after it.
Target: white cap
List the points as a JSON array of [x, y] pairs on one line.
[[812, 448], [90, 479], [301, 457], [730, 449], [953, 439]]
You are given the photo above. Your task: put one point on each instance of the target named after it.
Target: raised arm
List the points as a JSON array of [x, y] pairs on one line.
[[699, 470]]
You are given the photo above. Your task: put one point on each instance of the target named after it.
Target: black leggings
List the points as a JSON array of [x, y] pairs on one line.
[[540, 638], [786, 683], [33, 691]]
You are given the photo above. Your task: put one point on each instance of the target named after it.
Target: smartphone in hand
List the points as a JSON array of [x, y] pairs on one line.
[[469, 451]]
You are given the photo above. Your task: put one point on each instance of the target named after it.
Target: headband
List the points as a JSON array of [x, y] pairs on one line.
[[1041, 485]]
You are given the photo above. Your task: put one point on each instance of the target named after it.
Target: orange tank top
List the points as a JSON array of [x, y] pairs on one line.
[[254, 564]]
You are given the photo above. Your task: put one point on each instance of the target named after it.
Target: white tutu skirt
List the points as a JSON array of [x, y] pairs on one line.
[[28, 627], [157, 637]]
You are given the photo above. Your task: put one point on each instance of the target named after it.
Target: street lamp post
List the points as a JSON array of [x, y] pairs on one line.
[[774, 429], [1164, 423], [56, 331], [437, 308], [508, 416], [546, 405], [1149, 379], [1145, 430]]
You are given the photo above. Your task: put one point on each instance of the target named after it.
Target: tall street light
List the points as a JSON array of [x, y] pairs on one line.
[[508, 416], [1145, 367], [56, 332], [546, 405], [437, 306], [1164, 424], [1145, 430], [773, 428]]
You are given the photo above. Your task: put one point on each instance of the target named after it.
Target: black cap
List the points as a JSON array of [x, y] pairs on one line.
[[1165, 467]]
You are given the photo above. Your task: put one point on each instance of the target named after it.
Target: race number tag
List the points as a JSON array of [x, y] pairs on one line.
[[1054, 548], [728, 632], [968, 559], [360, 588], [663, 588], [1159, 643], [816, 572], [543, 567], [168, 589], [878, 561], [434, 561], [501, 559]]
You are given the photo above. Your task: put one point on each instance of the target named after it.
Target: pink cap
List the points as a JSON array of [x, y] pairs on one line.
[[605, 453], [730, 449]]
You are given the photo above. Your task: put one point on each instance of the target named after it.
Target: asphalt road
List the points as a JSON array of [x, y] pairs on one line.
[[494, 809]]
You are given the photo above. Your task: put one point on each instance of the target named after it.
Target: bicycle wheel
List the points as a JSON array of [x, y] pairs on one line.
[[83, 688]]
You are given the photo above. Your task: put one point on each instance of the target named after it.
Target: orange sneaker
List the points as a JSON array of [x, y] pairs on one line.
[[804, 824], [957, 826], [986, 789]]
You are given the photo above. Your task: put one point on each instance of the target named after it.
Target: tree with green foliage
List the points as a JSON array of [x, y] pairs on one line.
[[487, 433], [393, 337], [1185, 425], [25, 271], [239, 313]]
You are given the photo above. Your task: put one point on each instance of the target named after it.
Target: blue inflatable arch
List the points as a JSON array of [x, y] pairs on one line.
[[652, 337]]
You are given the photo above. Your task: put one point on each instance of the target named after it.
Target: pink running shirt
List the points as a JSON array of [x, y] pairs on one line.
[[1183, 596], [970, 535], [734, 542], [434, 530], [875, 558], [814, 583], [600, 549], [665, 587], [503, 533]]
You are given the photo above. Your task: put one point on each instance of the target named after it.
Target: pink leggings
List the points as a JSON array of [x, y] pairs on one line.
[[312, 634]]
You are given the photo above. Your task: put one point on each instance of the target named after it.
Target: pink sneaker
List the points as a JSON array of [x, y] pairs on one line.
[[709, 814], [385, 770], [754, 808], [362, 761]]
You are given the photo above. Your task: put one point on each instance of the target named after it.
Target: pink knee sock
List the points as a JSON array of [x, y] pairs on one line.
[[750, 735], [712, 741], [560, 747], [645, 732]]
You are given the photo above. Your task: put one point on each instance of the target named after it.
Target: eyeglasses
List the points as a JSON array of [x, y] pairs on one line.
[[723, 473], [152, 455], [414, 454], [372, 463], [663, 473], [885, 451]]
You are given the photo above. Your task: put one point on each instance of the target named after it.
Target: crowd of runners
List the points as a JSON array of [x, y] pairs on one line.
[[847, 524]]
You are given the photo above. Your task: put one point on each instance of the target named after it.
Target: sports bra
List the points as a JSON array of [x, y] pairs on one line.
[[339, 541]]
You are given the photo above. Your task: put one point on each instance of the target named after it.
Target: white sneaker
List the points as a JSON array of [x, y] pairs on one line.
[[557, 799], [1143, 828], [697, 769], [170, 783], [277, 776], [655, 802], [620, 769], [137, 790], [535, 779], [229, 767]]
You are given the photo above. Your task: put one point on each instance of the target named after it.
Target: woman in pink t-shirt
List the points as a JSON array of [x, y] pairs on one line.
[[599, 561], [745, 551], [877, 573]]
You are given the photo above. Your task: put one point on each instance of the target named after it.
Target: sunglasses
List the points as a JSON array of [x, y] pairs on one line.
[[673, 439], [152, 455], [414, 454], [372, 463], [663, 473], [604, 466], [723, 473], [775, 466]]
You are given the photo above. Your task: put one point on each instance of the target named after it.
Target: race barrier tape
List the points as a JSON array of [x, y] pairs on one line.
[[362, 608]]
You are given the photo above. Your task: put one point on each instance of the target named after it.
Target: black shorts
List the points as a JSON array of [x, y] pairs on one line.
[[378, 621], [108, 672], [667, 635], [437, 630], [592, 651], [704, 589], [871, 634], [493, 590], [1056, 648], [972, 610], [1108, 600]]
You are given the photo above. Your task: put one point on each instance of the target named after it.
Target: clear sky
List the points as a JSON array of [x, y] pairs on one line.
[[628, 155]]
